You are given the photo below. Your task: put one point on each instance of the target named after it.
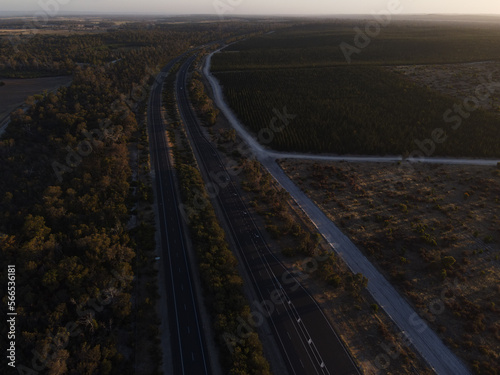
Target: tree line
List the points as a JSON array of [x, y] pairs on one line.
[[65, 228]]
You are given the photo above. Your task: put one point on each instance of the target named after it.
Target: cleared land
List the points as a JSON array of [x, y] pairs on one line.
[[365, 107], [15, 91], [459, 80], [433, 231]]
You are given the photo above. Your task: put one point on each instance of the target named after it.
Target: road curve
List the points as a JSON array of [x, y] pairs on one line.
[[426, 342], [187, 336], [307, 341]]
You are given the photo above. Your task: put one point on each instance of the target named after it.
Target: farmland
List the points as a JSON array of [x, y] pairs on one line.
[[14, 91], [316, 44], [366, 107], [433, 229]]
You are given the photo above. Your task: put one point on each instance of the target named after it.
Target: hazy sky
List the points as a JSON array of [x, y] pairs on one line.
[[255, 6]]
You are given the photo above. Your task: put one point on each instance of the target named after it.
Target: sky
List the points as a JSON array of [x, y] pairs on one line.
[[252, 6]]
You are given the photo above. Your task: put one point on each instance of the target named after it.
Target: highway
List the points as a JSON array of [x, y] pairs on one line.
[[306, 340], [189, 350], [422, 337]]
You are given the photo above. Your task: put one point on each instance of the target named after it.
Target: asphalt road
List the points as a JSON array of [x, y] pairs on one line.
[[307, 341], [188, 342], [423, 338]]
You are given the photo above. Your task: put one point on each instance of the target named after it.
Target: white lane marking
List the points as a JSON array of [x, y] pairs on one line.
[[185, 308]]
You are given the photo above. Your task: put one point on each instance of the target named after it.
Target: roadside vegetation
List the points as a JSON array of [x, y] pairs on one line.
[[204, 105], [147, 351], [222, 284], [294, 240]]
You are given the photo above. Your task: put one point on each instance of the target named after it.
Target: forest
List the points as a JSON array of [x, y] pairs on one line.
[[362, 107], [40, 54], [66, 194]]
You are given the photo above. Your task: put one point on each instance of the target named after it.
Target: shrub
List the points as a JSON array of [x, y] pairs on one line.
[[488, 239], [444, 274], [448, 261], [274, 231]]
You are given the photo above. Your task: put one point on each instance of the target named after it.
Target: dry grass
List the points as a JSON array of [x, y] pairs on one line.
[[409, 223]]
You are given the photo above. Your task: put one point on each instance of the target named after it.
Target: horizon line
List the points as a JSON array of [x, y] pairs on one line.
[[22, 13]]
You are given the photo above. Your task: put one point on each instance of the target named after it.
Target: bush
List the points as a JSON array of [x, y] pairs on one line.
[[448, 261], [488, 239], [274, 231]]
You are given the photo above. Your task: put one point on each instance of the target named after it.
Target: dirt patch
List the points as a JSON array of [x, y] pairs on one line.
[[15, 91], [459, 80], [433, 230]]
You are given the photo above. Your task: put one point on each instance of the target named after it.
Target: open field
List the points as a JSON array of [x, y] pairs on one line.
[[15, 91], [434, 231], [370, 106]]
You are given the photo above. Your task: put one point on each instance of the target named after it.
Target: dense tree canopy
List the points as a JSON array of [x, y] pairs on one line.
[[65, 192]]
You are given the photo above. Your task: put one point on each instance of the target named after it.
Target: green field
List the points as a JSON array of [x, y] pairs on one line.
[[362, 107]]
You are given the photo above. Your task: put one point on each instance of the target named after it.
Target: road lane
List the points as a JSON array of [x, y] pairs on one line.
[[423, 338], [308, 343], [188, 341]]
